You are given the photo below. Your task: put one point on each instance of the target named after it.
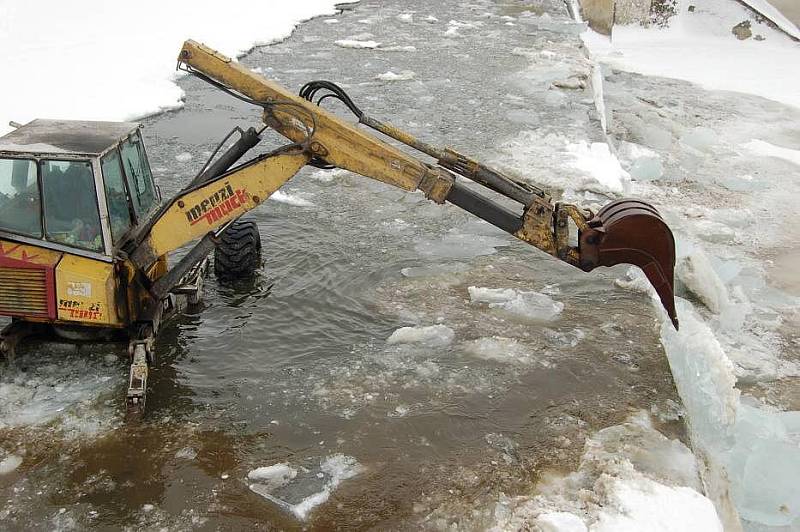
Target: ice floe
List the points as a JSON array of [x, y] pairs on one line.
[[432, 335], [290, 199], [403, 75], [300, 489], [524, 304], [354, 43]]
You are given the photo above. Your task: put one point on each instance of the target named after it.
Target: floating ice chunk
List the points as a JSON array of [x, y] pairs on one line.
[[352, 43], [479, 294], [461, 246], [308, 487], [290, 199], [560, 522], [432, 335], [431, 19], [434, 269], [186, 453], [331, 21], [404, 75], [528, 305], [598, 162], [697, 274], [499, 349], [406, 17], [274, 476], [184, 157], [10, 463], [328, 176], [398, 48], [760, 147]]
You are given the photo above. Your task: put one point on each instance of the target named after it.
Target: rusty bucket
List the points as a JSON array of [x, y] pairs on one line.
[[630, 231]]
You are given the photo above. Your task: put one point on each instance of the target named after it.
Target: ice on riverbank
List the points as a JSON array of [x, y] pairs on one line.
[[300, 489], [523, 304], [630, 477]]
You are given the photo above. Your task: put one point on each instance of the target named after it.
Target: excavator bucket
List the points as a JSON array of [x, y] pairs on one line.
[[630, 231]]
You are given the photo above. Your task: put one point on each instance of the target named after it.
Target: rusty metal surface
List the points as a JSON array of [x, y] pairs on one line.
[[630, 231]]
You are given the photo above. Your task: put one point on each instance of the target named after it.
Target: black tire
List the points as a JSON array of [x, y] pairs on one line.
[[238, 254]]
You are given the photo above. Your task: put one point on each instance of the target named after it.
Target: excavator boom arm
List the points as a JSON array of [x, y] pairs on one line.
[[625, 231]]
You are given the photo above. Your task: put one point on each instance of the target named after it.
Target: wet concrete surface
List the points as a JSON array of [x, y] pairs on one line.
[[293, 366]]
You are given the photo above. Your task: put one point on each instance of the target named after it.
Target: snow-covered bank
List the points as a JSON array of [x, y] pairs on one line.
[[116, 61], [698, 46]]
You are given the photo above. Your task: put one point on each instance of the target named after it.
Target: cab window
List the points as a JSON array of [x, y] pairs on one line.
[[20, 201], [71, 216], [119, 214], [137, 172]]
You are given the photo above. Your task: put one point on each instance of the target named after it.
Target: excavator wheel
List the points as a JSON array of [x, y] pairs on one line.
[[238, 253]]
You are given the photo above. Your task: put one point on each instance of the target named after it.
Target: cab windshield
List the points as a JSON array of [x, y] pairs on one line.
[[70, 204], [20, 200]]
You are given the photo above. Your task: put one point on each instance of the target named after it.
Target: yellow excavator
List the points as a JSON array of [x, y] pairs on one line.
[[85, 235]]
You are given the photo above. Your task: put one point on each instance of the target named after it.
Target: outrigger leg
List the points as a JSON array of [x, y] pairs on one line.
[[142, 357]]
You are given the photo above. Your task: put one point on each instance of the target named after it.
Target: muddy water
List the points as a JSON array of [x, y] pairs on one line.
[[294, 366]]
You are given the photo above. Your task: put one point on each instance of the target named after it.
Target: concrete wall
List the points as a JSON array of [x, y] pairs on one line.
[[631, 11], [599, 14], [603, 14]]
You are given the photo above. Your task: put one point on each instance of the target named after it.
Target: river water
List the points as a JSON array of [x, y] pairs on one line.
[[294, 367]]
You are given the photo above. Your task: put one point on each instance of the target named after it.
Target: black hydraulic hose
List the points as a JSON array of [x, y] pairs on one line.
[[248, 140]]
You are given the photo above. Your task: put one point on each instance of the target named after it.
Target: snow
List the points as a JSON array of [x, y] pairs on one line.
[[290, 199], [644, 504], [403, 75], [432, 335], [87, 64], [765, 149], [283, 484], [699, 47], [769, 11], [354, 43], [560, 522], [525, 304]]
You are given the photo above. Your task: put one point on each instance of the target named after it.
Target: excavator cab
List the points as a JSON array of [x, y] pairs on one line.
[[74, 186], [70, 193]]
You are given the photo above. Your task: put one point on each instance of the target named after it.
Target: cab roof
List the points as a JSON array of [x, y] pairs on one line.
[[65, 137]]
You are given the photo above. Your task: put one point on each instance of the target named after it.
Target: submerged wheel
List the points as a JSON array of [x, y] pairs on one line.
[[238, 253]]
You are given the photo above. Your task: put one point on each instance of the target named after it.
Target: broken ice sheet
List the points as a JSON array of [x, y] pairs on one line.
[[524, 304], [300, 488]]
